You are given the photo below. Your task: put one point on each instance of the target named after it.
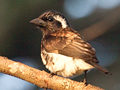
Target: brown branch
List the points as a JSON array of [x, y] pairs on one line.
[[102, 26], [41, 78]]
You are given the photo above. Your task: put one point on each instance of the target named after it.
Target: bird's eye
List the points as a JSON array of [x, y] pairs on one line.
[[50, 19]]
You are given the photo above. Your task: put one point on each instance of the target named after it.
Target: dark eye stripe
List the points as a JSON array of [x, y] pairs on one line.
[[58, 24], [45, 19], [50, 18]]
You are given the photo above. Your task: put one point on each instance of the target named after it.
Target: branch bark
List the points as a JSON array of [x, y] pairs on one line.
[[41, 78]]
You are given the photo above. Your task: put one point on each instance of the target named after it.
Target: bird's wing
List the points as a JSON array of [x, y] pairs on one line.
[[69, 43]]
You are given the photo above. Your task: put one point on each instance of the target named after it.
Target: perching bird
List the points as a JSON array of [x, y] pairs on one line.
[[63, 51]]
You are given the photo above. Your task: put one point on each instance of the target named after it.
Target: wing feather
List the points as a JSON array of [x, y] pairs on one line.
[[72, 46], [69, 43]]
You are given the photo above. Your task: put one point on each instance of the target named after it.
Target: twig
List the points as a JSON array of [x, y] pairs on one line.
[[41, 78]]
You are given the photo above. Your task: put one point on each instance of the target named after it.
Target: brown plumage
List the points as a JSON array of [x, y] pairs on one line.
[[60, 42]]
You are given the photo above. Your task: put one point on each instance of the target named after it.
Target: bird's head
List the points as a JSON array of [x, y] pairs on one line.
[[50, 22]]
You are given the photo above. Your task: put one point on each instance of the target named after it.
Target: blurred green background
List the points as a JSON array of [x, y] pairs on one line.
[[97, 21]]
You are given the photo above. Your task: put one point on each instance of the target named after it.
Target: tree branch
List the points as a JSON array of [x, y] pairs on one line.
[[41, 78]]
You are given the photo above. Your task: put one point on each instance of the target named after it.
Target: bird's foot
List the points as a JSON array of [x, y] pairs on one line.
[[52, 74], [85, 82]]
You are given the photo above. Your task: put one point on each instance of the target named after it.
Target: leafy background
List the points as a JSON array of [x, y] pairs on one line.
[[20, 41]]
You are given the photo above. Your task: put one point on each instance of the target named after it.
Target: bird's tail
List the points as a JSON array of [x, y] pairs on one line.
[[99, 67]]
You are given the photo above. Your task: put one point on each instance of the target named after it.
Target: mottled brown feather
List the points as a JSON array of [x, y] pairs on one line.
[[59, 38], [69, 42]]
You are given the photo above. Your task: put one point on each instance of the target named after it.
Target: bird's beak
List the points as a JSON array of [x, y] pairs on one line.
[[38, 22]]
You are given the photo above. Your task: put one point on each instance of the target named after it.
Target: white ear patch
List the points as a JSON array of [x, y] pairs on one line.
[[62, 20]]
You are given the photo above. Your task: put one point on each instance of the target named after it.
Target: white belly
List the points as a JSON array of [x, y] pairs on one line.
[[63, 65]]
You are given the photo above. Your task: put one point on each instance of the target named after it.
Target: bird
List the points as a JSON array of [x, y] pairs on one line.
[[63, 50]]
